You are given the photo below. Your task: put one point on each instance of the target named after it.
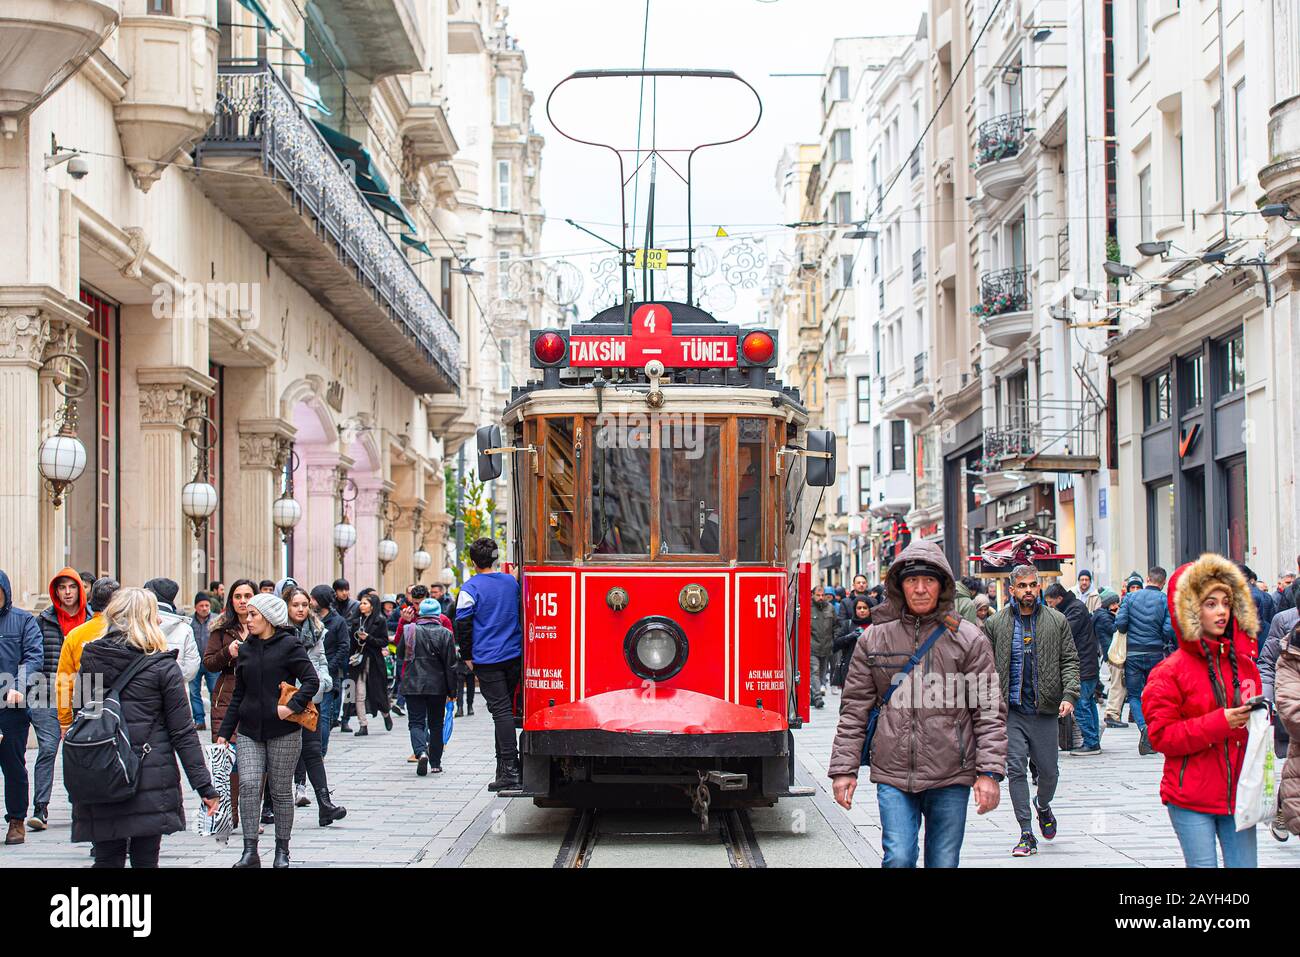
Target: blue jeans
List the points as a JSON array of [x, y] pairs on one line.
[[1137, 667], [48, 733], [1197, 833], [1085, 714], [204, 677], [424, 719], [944, 810]]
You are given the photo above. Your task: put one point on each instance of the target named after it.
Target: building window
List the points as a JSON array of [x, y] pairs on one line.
[[840, 83], [1182, 193], [503, 101], [1144, 204], [841, 146], [161, 7], [898, 445], [1160, 524], [846, 271], [875, 447], [1231, 360], [864, 398], [1220, 174], [1239, 112], [1191, 379], [503, 273], [843, 207], [444, 285], [1140, 30], [506, 359], [1238, 530], [503, 184], [864, 488], [1156, 399]]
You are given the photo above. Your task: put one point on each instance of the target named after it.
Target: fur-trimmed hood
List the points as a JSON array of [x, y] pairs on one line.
[[1188, 587]]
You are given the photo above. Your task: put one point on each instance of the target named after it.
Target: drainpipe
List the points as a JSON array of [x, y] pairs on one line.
[[1223, 113]]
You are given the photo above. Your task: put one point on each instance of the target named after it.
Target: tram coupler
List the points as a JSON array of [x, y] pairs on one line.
[[727, 780]]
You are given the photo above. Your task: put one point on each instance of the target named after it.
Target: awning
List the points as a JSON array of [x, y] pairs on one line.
[[368, 179], [834, 560], [255, 8], [415, 242]]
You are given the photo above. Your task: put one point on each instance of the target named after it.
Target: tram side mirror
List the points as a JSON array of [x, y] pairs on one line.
[[820, 464], [489, 465]]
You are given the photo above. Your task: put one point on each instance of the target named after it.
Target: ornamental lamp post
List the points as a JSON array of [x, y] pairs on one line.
[[345, 533], [61, 458], [387, 548], [286, 512], [198, 496]]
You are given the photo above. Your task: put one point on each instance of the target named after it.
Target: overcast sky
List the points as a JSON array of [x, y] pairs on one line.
[[733, 184]]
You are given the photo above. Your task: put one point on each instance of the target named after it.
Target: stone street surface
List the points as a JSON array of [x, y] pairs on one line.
[[1108, 807]]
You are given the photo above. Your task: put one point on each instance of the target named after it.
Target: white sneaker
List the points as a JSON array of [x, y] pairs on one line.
[[300, 795]]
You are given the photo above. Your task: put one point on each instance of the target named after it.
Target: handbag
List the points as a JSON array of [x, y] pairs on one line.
[[897, 680], [307, 717]]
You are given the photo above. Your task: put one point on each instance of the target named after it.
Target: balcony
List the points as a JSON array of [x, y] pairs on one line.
[[44, 43], [425, 123], [266, 166], [376, 37], [1045, 436], [1003, 309], [1280, 179], [1001, 165], [464, 36], [909, 396]]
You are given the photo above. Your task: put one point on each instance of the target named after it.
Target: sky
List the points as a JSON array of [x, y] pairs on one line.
[[733, 185]]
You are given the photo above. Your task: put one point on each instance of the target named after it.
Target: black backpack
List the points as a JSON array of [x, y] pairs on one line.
[[99, 764]]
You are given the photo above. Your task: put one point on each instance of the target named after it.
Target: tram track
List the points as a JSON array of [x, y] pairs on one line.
[[731, 829]]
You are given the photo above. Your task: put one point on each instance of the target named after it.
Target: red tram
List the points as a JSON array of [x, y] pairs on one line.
[[660, 478]]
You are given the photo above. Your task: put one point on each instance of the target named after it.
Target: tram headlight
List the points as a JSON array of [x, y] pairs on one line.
[[655, 648]]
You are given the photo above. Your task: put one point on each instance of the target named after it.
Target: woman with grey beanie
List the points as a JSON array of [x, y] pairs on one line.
[[269, 744]]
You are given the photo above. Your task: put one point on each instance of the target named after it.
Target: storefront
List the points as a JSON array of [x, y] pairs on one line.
[[962, 520]]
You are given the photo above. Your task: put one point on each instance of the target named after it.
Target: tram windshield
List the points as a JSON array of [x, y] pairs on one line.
[[620, 482], [690, 488]]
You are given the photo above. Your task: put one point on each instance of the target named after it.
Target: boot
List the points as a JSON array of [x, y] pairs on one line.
[[495, 784], [329, 811], [1144, 745], [507, 776], [249, 858], [460, 711], [268, 811], [345, 728], [362, 731], [17, 831], [281, 854]]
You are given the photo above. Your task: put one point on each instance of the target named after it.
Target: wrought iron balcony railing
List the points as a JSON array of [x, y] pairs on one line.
[[999, 138], [1006, 290], [256, 111], [1051, 429]]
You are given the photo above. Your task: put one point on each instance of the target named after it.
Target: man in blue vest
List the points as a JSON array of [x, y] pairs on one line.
[[491, 643]]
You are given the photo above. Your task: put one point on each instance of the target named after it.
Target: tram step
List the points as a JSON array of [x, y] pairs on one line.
[[798, 792]]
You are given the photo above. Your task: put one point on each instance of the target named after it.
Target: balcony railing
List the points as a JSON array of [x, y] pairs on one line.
[[918, 265], [918, 369], [1047, 429], [1006, 290], [999, 138], [255, 112]]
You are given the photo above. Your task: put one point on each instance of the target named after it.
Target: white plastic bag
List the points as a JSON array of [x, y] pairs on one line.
[[1256, 788], [219, 758]]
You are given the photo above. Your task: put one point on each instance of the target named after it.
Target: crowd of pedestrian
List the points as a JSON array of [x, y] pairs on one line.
[[268, 670], [1190, 655]]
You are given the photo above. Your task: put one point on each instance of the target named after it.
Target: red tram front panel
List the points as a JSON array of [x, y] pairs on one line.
[[574, 641]]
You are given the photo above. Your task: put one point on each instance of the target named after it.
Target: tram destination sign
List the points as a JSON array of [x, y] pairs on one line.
[[652, 338]]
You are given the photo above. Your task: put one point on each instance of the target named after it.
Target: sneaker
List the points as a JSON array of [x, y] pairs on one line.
[[1085, 751], [422, 767], [1046, 822], [1144, 745], [1026, 846], [1112, 723], [300, 796], [412, 759], [435, 770], [40, 818], [388, 722], [1278, 827], [471, 709]]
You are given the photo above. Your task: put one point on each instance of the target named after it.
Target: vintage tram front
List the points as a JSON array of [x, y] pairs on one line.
[[662, 484]]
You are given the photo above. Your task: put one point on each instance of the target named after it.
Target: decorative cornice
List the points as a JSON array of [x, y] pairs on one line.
[[262, 450], [24, 334], [322, 480], [170, 395]]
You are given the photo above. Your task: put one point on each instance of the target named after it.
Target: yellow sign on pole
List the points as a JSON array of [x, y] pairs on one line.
[[653, 258]]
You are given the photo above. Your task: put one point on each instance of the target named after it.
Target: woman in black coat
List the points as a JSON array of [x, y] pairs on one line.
[[370, 677], [269, 743], [847, 638], [156, 709]]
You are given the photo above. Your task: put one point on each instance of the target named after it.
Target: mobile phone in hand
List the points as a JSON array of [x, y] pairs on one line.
[[1255, 703]]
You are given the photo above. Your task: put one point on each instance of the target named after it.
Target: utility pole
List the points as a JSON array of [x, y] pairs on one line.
[[460, 511]]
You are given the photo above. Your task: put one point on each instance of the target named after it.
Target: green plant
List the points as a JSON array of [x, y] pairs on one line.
[[475, 512]]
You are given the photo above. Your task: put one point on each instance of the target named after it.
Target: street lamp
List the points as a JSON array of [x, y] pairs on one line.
[[345, 533], [61, 458], [285, 511], [387, 548], [198, 497], [420, 561]]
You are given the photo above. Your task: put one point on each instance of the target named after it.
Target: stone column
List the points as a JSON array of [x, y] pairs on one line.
[[253, 542], [363, 559], [165, 542], [314, 541]]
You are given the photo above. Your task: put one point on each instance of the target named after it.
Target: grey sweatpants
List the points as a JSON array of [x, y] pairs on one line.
[[1028, 736], [276, 758]]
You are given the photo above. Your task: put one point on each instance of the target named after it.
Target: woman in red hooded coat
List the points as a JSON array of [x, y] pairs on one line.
[[1194, 704]]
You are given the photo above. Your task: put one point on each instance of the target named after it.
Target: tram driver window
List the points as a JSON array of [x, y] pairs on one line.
[[559, 489], [620, 481], [750, 478], [690, 477]]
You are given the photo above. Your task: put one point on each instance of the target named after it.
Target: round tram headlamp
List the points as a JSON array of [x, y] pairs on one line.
[[655, 648]]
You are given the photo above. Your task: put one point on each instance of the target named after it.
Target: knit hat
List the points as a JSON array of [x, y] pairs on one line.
[[1108, 598], [430, 607], [272, 608], [323, 596], [1134, 577], [284, 583], [982, 601], [164, 589], [1084, 572]]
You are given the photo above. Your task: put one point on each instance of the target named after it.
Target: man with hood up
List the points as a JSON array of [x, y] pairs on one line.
[[926, 755], [67, 610], [176, 628], [21, 655]]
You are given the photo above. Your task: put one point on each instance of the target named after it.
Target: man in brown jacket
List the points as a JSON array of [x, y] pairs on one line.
[[943, 731]]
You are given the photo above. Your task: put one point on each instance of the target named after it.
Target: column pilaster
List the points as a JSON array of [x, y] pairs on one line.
[[253, 546]]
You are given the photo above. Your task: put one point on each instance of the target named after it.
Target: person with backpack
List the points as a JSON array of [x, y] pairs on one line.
[[429, 651], [21, 655], [269, 743], [135, 666]]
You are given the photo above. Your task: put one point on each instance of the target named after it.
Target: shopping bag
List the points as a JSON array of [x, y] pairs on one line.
[[1256, 787], [219, 759], [448, 721]]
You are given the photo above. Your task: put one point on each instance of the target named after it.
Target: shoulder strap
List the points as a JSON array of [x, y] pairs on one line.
[[915, 659], [125, 677]]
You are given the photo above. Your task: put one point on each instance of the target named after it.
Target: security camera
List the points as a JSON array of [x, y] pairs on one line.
[[78, 168]]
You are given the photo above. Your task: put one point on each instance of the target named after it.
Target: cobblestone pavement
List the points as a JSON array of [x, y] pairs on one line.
[[1108, 807]]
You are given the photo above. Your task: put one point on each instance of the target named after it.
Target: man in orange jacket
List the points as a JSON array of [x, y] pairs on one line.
[[101, 593]]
